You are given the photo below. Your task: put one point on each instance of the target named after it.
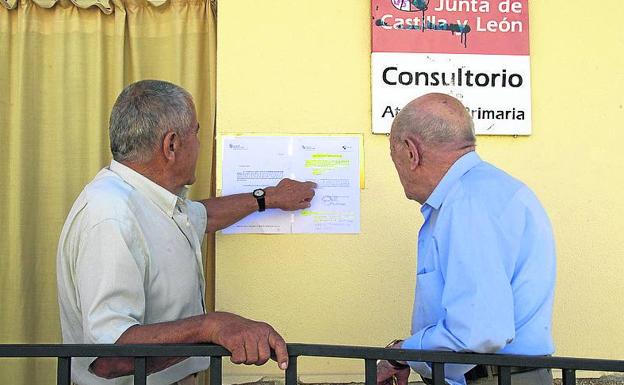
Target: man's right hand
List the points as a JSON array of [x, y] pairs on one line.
[[250, 342], [290, 195]]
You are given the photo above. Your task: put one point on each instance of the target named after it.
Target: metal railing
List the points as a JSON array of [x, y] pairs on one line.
[[370, 355]]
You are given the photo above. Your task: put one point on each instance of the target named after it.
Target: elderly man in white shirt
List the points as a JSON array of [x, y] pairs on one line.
[[129, 263]]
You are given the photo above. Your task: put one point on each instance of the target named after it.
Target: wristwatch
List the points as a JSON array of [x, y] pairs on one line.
[[259, 195]]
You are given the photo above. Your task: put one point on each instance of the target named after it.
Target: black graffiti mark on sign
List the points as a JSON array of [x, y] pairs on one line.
[[422, 6]]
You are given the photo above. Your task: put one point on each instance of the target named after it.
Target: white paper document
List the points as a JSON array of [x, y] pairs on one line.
[[333, 162]]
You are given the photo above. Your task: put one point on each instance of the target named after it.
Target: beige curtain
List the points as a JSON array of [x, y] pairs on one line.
[[62, 64]]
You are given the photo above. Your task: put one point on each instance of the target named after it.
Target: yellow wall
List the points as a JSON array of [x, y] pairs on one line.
[[304, 67]]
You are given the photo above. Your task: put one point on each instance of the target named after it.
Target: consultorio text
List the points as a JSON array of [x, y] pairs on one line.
[[462, 77], [392, 76]]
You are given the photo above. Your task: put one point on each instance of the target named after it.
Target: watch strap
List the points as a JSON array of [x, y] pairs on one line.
[[398, 365]]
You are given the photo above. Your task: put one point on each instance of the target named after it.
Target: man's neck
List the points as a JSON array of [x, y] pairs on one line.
[[157, 173], [438, 165]]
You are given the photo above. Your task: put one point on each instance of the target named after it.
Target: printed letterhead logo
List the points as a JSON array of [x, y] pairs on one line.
[[237, 147]]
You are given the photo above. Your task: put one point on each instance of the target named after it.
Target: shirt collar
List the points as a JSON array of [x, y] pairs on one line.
[[161, 197], [457, 170]]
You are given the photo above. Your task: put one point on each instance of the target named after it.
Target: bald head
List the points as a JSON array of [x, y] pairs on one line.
[[438, 120]]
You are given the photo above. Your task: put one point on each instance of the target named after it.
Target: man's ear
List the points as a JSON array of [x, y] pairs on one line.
[[413, 148], [169, 145]]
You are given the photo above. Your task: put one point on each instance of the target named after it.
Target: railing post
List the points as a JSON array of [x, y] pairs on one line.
[[63, 371], [216, 377], [291, 371], [569, 376], [140, 371], [437, 371], [504, 375], [370, 372]]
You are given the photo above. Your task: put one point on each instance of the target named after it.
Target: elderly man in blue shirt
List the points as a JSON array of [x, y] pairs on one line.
[[486, 254]]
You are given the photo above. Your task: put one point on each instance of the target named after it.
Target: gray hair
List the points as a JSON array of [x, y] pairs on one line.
[[452, 124], [143, 113]]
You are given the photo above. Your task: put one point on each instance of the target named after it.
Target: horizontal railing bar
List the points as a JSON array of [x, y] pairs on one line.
[[340, 351], [112, 350], [313, 350]]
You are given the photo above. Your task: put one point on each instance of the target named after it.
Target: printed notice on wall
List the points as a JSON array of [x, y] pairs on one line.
[[249, 162], [475, 50]]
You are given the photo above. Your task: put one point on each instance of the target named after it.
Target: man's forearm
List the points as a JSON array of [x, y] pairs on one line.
[[288, 195], [250, 342], [227, 210], [189, 330]]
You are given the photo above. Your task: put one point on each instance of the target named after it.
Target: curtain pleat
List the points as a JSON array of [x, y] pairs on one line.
[[62, 64], [104, 5]]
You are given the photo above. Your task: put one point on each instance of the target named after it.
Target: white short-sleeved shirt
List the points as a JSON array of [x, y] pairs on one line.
[[129, 254]]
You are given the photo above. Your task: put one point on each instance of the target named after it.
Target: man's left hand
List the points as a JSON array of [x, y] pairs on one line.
[[290, 195], [388, 375]]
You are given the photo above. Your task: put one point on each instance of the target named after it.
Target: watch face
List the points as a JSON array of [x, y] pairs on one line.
[[258, 193]]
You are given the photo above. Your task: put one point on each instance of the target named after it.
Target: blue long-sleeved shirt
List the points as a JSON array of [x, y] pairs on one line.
[[486, 268]]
